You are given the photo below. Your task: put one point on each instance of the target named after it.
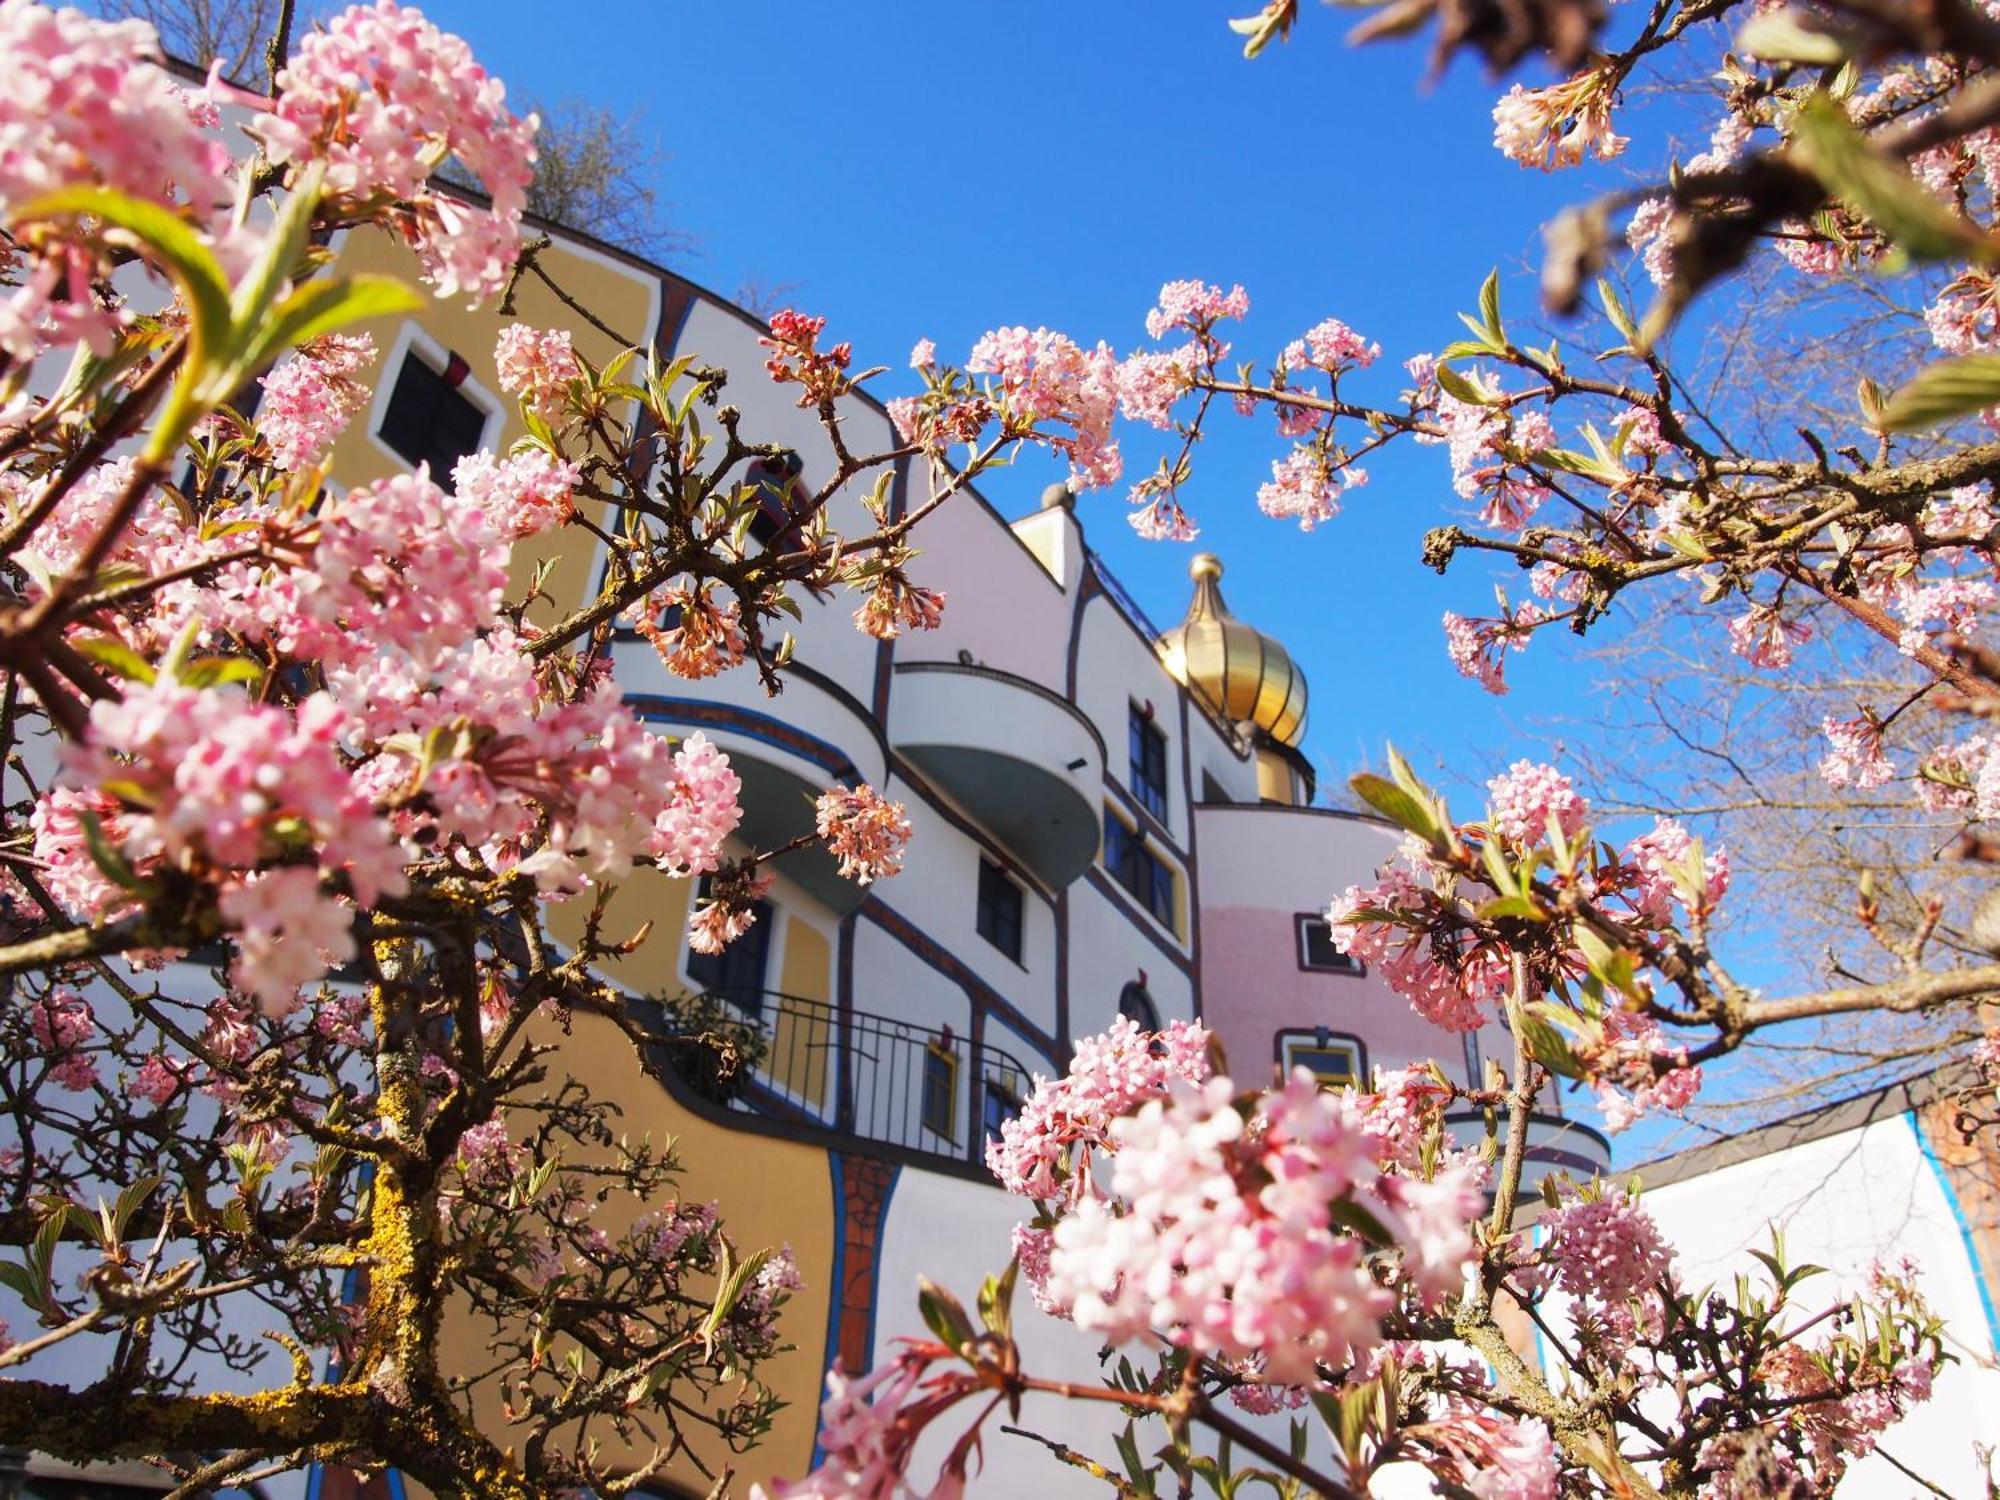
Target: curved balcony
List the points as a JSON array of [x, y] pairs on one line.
[[810, 1069], [787, 750], [1018, 758], [1554, 1145]]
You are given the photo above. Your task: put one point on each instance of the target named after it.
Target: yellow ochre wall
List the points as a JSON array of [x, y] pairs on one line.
[[619, 296]]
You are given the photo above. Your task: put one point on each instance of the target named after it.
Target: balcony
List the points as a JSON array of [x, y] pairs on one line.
[[808, 1069], [1021, 760], [1554, 1145]]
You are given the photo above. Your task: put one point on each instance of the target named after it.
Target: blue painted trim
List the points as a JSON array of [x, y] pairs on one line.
[[748, 723], [1964, 1230], [838, 1283]]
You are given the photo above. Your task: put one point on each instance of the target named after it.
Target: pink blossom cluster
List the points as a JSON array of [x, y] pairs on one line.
[[1483, 439], [84, 102], [1854, 756], [1635, 1071], [864, 831], [1448, 985], [1150, 382], [1527, 797], [528, 491], [1658, 862], [1556, 126], [1043, 1152], [384, 98], [1195, 307], [1491, 1456], [311, 397], [1960, 777], [1219, 1230], [1305, 486], [705, 639], [1332, 346], [1605, 1248], [1965, 318], [487, 1157], [1043, 376], [795, 357], [160, 1078], [1955, 604], [536, 367], [895, 604], [1765, 638], [1478, 647], [868, 1429], [62, 1025]]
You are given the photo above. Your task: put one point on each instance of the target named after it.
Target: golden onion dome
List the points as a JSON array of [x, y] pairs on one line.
[[1242, 672]]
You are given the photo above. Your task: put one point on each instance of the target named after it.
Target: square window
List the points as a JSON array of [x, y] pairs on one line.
[[1334, 1061], [999, 910], [1316, 950], [429, 420], [1149, 762], [939, 1110]]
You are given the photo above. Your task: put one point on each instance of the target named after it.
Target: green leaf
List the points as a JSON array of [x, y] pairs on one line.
[[1828, 145], [110, 861], [1395, 804], [1943, 392], [115, 657], [1615, 310], [1461, 386], [321, 307], [1489, 307], [731, 1292], [1512, 906], [167, 238], [1794, 37], [1347, 1214], [1548, 1046], [996, 1300], [943, 1314], [213, 671]]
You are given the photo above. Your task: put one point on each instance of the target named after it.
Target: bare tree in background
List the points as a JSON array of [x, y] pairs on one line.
[[201, 31], [596, 173]]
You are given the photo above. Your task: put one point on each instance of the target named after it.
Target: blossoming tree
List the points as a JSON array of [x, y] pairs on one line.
[[309, 749], [1287, 1247]]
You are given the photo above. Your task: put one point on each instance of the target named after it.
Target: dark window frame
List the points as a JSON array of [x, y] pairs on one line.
[[1343, 964], [938, 1093], [1319, 1039], [421, 397], [1001, 912], [1146, 745], [1145, 877], [996, 1094]]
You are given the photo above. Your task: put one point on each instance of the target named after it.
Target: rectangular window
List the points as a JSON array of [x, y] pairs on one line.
[[1316, 950], [1139, 870], [1334, 1061], [940, 1101], [999, 910], [736, 974], [428, 419], [1149, 763]]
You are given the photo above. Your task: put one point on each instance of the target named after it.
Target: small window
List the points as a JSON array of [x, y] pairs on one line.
[[1316, 950], [736, 974], [999, 910], [1139, 870], [940, 1101], [999, 1105], [429, 420], [1149, 763], [1335, 1061], [1135, 1002]]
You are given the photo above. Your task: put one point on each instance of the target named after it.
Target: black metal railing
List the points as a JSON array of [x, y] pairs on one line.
[[848, 1072]]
